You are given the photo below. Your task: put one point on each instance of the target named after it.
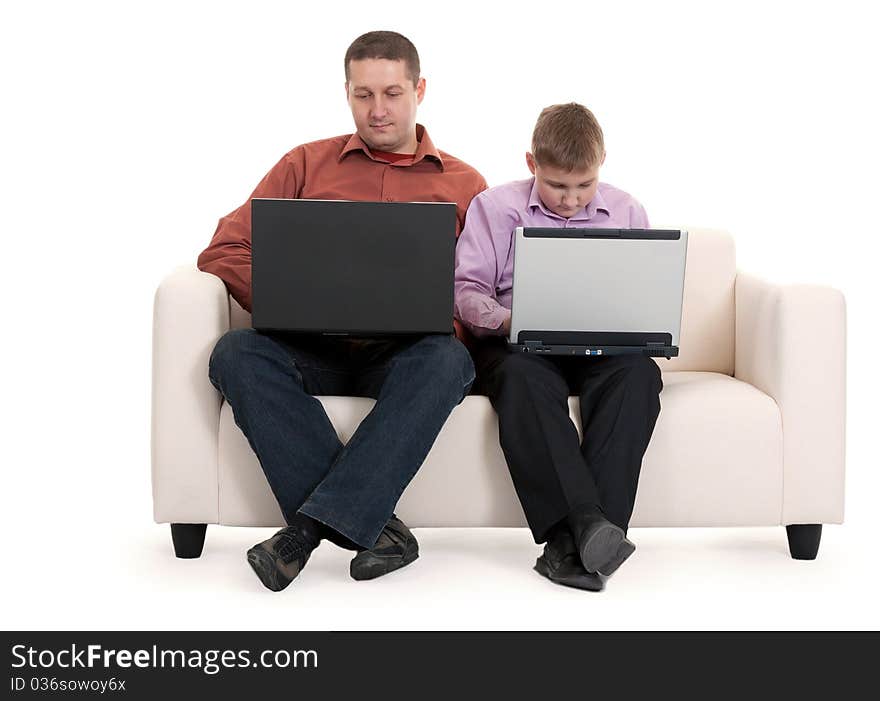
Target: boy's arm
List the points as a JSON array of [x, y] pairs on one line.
[[228, 256], [477, 271], [638, 217]]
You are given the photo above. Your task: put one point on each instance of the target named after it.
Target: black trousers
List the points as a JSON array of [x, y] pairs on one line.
[[553, 473]]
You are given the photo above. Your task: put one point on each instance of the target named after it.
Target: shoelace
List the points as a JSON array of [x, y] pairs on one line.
[[289, 547]]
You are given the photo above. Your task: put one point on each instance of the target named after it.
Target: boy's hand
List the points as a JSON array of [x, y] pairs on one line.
[[505, 325]]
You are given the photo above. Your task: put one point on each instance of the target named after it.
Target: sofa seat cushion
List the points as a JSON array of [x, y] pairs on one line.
[[715, 459]]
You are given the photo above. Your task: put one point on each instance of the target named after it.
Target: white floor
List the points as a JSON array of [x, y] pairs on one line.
[[465, 579]]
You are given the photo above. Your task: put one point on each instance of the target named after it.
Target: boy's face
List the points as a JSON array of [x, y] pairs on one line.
[[383, 102], [565, 192]]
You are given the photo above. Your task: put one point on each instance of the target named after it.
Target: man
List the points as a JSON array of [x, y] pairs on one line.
[[326, 490]]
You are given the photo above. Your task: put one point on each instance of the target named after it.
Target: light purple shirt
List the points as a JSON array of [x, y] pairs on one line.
[[484, 253]]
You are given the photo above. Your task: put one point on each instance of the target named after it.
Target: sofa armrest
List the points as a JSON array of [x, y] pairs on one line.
[[791, 344], [190, 313]]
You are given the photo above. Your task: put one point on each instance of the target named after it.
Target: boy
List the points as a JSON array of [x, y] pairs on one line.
[[576, 498]]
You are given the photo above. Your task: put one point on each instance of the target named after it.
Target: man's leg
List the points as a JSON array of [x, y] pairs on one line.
[[422, 383], [269, 381], [619, 399], [530, 395]]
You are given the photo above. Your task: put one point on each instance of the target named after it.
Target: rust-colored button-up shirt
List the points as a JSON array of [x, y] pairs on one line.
[[341, 168]]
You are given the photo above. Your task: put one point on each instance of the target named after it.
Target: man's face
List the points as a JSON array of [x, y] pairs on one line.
[[565, 192], [383, 102]]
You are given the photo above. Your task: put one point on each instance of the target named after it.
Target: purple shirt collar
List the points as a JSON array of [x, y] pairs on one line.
[[585, 214]]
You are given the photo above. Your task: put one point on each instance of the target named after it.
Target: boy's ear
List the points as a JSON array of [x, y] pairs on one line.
[[530, 162], [602, 162]]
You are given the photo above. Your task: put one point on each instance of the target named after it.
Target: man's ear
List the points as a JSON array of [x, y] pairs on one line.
[[420, 91]]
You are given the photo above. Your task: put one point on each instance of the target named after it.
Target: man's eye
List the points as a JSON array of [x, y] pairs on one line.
[[394, 94]]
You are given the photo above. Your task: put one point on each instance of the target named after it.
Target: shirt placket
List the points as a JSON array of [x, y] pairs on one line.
[[389, 182]]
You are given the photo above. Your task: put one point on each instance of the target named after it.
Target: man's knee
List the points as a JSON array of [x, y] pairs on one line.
[[233, 355], [447, 357]]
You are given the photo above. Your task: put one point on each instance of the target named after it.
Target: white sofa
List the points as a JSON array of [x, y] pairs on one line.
[[751, 430]]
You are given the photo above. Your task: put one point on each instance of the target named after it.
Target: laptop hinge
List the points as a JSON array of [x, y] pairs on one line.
[[533, 344], [655, 344]]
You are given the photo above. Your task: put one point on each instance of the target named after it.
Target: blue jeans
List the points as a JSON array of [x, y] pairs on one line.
[[270, 379]]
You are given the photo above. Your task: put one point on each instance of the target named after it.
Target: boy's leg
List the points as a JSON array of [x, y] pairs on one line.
[[530, 395], [619, 401], [416, 388]]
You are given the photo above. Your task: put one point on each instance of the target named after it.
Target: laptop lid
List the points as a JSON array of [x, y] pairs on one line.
[[604, 288], [353, 268]]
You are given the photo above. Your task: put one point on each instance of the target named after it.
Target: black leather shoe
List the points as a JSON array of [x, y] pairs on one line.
[[396, 547], [602, 546], [561, 563], [278, 560]]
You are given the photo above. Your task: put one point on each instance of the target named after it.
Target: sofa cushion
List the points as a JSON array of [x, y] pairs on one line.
[[715, 459]]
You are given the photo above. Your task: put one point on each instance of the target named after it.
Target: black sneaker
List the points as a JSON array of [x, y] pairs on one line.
[[562, 564], [280, 559], [396, 547]]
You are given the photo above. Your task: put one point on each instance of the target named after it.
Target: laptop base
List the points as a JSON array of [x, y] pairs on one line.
[[593, 351]]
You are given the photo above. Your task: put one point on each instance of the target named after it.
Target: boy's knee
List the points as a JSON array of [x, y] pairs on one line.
[[647, 373]]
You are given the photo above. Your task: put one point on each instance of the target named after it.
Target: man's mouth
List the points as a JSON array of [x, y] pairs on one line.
[[379, 126]]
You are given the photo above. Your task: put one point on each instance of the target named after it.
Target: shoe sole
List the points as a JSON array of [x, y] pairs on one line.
[[542, 568], [606, 550], [367, 565], [264, 565]]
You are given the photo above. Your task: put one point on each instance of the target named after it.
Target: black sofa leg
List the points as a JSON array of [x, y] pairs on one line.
[[803, 540], [188, 538]]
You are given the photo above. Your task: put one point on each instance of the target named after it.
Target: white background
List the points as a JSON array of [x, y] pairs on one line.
[[129, 128]]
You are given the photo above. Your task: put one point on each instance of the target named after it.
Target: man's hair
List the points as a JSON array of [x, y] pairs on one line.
[[567, 137], [388, 45]]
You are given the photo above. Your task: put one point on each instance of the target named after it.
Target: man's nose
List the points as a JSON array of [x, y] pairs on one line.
[[379, 107]]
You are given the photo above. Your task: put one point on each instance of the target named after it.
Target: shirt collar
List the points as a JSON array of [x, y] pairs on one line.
[[595, 205], [424, 150]]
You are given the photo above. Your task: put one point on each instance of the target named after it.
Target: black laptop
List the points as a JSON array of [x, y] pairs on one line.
[[362, 269]]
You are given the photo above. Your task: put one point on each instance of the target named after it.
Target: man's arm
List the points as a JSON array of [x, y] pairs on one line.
[[228, 256], [477, 272]]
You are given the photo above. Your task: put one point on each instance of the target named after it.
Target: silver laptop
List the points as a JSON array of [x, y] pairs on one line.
[[597, 291]]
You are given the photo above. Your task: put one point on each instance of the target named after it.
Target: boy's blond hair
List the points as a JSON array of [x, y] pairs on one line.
[[567, 137]]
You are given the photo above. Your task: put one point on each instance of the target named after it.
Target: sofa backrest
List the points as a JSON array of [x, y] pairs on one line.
[[708, 315]]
